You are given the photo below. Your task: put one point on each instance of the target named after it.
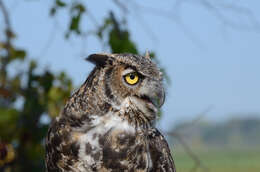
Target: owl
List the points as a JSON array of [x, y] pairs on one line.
[[108, 124]]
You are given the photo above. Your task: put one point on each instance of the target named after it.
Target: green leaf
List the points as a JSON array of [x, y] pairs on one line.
[[46, 80], [60, 3], [76, 12], [80, 8], [19, 54], [16, 83], [120, 42], [8, 121], [33, 65], [53, 11], [74, 24]]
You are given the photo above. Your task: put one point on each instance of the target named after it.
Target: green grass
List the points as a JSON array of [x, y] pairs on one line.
[[217, 160]]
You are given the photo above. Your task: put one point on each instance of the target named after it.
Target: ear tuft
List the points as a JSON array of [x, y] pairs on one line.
[[98, 59], [147, 54]]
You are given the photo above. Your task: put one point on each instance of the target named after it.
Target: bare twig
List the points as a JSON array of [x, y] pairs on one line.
[[144, 25], [121, 5], [215, 8], [49, 41], [194, 157], [176, 133], [8, 29], [85, 36], [218, 9], [195, 120], [93, 18], [173, 16]]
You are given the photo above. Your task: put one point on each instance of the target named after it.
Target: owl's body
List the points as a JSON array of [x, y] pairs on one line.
[[108, 124]]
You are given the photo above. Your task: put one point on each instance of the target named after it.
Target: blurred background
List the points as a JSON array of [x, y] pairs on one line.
[[208, 50]]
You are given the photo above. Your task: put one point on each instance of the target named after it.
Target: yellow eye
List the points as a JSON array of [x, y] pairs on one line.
[[131, 78]]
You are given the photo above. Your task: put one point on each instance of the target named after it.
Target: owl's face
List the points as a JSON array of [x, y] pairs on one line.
[[133, 78]]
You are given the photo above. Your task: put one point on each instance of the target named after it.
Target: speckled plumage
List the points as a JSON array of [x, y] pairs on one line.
[[108, 125]]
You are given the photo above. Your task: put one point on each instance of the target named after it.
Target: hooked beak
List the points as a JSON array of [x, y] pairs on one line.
[[156, 99]]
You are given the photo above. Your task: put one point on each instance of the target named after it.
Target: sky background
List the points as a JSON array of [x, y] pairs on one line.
[[209, 63]]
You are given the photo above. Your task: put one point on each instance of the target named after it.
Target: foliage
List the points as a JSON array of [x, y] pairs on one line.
[[29, 97]]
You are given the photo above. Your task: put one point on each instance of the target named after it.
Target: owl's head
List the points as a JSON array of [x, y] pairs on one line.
[[129, 77]]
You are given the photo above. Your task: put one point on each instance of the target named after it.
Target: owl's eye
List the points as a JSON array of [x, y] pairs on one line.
[[131, 78]]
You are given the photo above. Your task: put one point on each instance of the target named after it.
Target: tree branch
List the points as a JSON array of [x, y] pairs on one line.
[[215, 8], [176, 133], [195, 120], [121, 5], [8, 33], [8, 29], [194, 157]]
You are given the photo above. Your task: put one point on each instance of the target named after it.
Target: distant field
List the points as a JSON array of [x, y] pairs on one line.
[[220, 160]]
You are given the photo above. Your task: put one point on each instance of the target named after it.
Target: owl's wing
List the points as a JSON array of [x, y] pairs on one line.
[[61, 150], [160, 153]]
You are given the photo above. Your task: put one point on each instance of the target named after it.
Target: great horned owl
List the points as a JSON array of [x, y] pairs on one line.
[[108, 124]]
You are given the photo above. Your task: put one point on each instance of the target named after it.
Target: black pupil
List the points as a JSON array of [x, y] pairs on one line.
[[132, 76]]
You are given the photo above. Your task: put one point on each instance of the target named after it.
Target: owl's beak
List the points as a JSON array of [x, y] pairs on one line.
[[157, 98]]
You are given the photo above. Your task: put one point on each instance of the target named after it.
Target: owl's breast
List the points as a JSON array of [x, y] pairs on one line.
[[113, 143]]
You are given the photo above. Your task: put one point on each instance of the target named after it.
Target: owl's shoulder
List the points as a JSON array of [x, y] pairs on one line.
[[160, 152]]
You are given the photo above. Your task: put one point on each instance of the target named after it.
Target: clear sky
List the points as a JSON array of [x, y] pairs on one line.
[[209, 63]]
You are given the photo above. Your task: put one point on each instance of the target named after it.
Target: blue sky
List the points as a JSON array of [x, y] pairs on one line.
[[209, 63]]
